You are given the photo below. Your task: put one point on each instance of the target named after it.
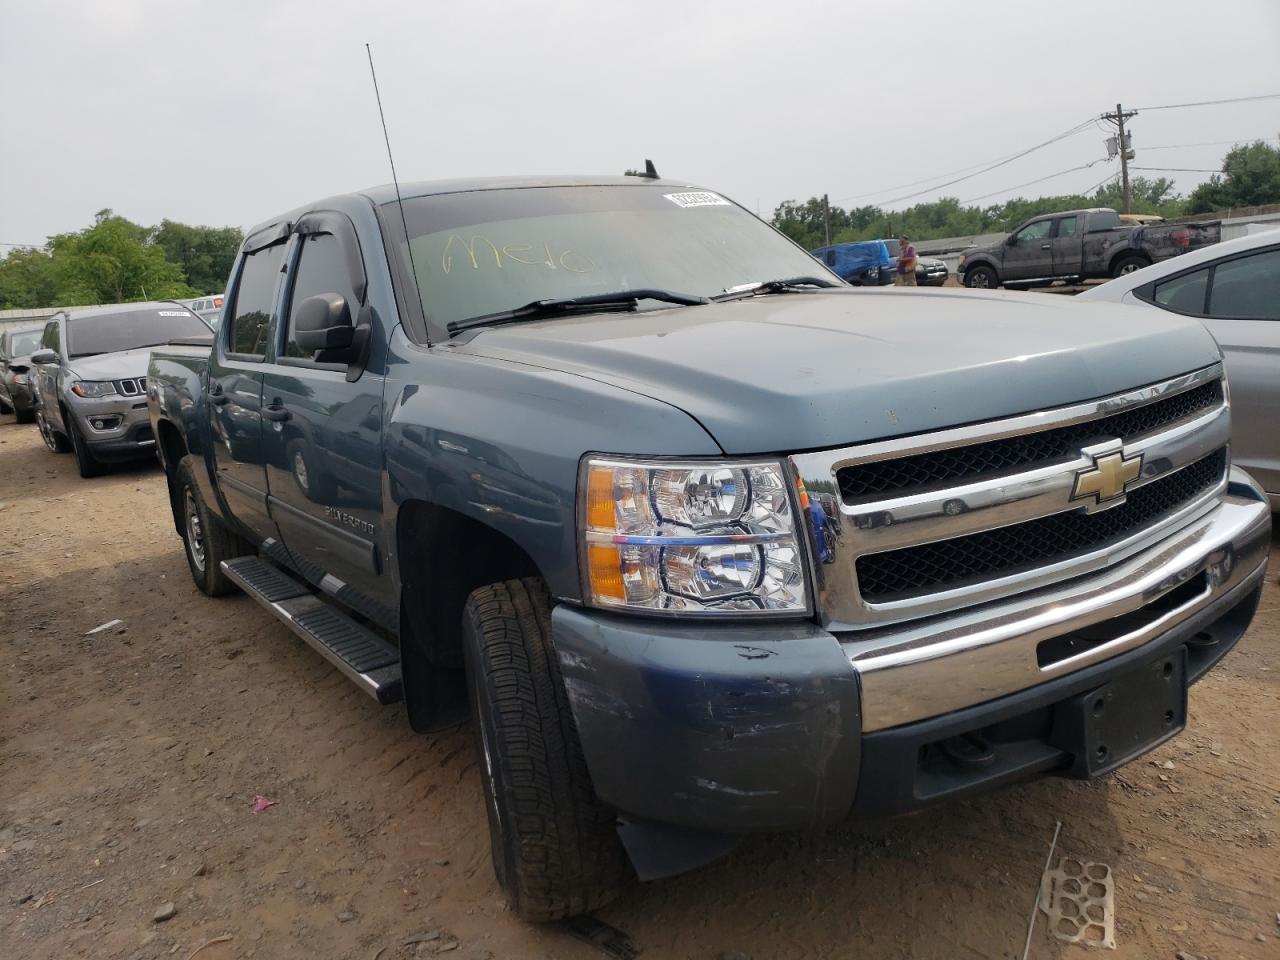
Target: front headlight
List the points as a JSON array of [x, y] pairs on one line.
[[698, 538], [93, 388]]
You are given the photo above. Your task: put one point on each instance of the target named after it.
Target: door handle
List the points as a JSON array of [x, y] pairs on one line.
[[1046, 246], [216, 396], [276, 413]]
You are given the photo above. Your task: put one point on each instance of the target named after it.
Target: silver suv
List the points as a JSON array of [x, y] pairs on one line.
[[90, 378]]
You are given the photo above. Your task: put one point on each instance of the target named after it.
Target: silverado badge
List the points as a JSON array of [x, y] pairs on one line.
[[1106, 480]]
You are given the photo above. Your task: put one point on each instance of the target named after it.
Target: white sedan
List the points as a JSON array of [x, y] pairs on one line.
[[1234, 289]]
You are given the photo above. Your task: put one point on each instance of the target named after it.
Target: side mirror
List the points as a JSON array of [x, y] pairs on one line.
[[1012, 241], [322, 326], [44, 355]]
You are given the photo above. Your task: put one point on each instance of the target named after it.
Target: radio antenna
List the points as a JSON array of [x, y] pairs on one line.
[[394, 179]]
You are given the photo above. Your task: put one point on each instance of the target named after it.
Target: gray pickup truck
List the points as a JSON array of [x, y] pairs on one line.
[[708, 542], [1080, 245]]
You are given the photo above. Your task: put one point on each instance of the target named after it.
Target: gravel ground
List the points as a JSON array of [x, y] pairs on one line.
[[130, 760]]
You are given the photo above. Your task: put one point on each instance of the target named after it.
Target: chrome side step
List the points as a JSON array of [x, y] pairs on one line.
[[369, 661]]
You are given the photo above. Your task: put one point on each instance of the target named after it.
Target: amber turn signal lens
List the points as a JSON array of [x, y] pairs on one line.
[[604, 566], [600, 508]]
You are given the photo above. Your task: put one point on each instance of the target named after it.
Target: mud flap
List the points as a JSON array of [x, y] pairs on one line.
[[658, 851]]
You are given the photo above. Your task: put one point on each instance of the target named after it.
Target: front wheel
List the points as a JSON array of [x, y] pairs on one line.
[[1127, 265], [207, 539], [555, 847], [55, 441], [983, 278], [88, 464]]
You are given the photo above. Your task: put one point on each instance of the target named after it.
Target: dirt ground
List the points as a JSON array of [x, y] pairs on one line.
[[130, 760]]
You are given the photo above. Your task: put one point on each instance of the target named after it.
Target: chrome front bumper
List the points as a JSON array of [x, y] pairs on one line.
[[909, 672]]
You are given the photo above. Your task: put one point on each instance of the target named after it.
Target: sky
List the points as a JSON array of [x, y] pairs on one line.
[[228, 112]]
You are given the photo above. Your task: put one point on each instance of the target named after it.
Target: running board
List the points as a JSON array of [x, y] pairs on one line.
[[370, 662]]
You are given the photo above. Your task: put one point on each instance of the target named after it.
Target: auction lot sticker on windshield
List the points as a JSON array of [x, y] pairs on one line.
[[173, 313], [697, 198]]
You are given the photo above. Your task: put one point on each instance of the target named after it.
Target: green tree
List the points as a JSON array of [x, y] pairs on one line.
[[114, 262], [1149, 196], [28, 278], [204, 253], [1250, 176]]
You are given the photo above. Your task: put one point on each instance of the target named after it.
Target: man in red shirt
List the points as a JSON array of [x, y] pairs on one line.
[[906, 264]]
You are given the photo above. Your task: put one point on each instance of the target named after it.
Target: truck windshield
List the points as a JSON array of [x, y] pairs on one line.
[[487, 251], [113, 332]]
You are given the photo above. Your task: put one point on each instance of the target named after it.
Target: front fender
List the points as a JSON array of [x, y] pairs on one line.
[[500, 442]]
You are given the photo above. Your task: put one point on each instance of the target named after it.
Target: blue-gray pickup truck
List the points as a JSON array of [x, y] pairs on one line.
[[706, 541]]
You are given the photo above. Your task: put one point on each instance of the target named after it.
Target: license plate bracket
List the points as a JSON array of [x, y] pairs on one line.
[[1125, 717]]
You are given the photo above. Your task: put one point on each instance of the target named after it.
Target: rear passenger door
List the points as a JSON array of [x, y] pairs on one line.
[[1067, 250], [234, 388], [323, 433]]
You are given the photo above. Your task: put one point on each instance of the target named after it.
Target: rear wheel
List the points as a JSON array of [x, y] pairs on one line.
[[1127, 265], [208, 540], [983, 278], [555, 847], [55, 441], [89, 465]]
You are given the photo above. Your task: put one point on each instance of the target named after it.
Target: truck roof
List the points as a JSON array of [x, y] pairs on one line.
[[386, 193]]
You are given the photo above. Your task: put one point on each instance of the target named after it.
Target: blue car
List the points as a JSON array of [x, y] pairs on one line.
[[866, 263]]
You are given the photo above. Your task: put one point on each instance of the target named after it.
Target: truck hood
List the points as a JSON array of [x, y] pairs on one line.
[[806, 371], [112, 366]]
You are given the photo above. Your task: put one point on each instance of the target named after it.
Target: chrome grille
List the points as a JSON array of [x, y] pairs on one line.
[[883, 478], [131, 386], [946, 520], [947, 564]]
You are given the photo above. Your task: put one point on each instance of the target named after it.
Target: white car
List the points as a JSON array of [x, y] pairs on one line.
[[1234, 289]]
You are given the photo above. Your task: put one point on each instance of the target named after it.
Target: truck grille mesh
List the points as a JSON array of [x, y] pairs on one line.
[[932, 567], [904, 475]]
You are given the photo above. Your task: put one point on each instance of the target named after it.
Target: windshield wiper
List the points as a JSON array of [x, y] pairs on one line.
[[757, 287], [592, 303]]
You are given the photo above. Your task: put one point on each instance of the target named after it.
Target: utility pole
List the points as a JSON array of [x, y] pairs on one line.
[[1123, 148], [826, 217]]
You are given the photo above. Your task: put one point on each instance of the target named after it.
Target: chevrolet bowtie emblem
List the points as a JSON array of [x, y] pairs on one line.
[[1107, 479]]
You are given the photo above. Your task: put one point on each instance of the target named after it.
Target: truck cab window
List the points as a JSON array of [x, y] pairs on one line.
[[1034, 231], [1067, 227], [322, 268], [255, 301]]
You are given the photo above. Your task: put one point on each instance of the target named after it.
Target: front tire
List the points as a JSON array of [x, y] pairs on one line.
[[555, 847], [86, 462], [207, 539], [55, 441], [982, 278]]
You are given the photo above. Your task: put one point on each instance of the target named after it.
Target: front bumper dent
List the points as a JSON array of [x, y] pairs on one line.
[[734, 728]]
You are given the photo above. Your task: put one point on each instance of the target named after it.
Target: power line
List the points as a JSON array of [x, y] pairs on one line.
[[1019, 186], [992, 166], [1209, 143], [5, 243], [1214, 103], [1176, 169], [1100, 184]]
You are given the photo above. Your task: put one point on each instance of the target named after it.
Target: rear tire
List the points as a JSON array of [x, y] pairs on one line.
[[1127, 265], [983, 278], [88, 464], [555, 847], [207, 539]]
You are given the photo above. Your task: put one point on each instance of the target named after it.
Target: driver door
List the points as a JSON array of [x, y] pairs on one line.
[[1029, 253]]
